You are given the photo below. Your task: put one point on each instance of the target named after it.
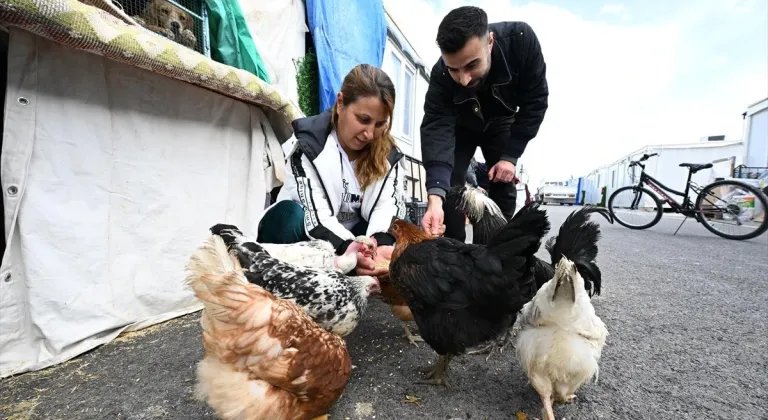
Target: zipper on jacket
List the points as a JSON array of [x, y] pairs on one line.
[[392, 167]]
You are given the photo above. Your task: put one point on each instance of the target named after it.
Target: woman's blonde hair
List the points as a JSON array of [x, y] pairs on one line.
[[363, 81]]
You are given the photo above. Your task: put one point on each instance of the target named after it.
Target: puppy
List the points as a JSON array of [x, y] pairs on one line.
[[166, 19]]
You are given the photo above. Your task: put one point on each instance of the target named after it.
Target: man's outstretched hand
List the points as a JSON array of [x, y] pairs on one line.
[[502, 171], [433, 219]]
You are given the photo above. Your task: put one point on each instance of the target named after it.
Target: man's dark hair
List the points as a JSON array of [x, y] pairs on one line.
[[459, 25]]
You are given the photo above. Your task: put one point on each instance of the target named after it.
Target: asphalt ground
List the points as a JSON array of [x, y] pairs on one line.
[[688, 331]]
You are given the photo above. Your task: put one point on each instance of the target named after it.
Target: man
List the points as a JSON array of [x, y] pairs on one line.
[[488, 90]]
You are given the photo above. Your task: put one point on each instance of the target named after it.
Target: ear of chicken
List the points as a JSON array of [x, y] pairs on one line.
[[264, 357]]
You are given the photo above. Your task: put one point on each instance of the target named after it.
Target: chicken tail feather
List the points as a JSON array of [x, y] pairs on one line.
[[216, 278], [577, 241], [521, 236], [248, 253]]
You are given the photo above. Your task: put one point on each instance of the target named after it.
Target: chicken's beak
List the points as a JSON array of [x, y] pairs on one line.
[[565, 273]]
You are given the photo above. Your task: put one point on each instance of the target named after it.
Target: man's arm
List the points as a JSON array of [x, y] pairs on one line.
[[437, 132], [534, 93]]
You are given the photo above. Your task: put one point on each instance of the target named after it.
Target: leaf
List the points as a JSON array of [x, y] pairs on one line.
[[412, 399], [521, 416]]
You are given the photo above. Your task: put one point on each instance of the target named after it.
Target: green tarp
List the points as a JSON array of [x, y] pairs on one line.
[[231, 42]]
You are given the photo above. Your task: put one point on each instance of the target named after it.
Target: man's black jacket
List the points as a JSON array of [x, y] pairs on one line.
[[517, 79]]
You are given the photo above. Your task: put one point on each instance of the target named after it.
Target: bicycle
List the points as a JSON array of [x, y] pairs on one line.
[[738, 210]]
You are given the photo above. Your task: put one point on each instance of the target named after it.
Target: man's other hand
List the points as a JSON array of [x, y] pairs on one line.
[[502, 171]]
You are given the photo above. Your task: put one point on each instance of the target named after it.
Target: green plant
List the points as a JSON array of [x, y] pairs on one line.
[[308, 84]]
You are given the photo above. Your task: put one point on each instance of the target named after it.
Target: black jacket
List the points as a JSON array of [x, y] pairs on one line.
[[518, 81]]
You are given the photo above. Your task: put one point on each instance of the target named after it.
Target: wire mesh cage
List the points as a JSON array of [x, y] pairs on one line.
[[749, 172], [182, 21]]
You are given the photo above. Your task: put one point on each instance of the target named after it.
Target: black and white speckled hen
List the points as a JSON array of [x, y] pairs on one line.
[[332, 299], [461, 294]]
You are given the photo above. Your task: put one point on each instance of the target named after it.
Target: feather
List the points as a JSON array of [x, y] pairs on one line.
[[264, 357], [335, 301]]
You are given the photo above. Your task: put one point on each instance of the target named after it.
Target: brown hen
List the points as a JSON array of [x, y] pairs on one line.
[[264, 358]]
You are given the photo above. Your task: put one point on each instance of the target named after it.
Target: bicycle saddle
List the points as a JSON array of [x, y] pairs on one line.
[[695, 167]]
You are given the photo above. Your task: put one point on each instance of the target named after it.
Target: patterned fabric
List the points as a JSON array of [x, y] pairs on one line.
[[87, 28]]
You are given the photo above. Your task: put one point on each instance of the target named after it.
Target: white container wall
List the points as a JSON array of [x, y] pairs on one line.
[[665, 167], [756, 135]]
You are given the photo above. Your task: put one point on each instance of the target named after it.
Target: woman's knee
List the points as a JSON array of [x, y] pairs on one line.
[[282, 224]]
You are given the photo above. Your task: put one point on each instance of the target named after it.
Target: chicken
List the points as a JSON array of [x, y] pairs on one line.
[[577, 240], [561, 338], [321, 254], [264, 358], [464, 294], [334, 300]]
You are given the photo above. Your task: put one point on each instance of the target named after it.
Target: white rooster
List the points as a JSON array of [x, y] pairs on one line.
[[561, 338]]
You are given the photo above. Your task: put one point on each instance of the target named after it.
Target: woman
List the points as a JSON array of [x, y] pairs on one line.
[[343, 177]]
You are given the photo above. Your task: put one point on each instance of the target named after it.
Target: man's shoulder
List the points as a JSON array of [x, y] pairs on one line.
[[507, 29]]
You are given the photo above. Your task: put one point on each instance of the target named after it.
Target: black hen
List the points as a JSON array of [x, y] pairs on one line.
[[576, 240], [465, 294]]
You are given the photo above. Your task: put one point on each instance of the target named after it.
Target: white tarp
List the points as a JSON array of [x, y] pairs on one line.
[[278, 28], [111, 176]]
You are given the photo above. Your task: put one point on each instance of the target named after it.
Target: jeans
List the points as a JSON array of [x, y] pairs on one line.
[[284, 224]]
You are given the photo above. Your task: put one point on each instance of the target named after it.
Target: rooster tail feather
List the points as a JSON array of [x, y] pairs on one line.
[[522, 235], [483, 213], [577, 241], [212, 257], [247, 251], [211, 270]]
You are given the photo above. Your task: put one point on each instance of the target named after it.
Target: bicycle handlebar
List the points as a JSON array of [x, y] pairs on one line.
[[645, 157]]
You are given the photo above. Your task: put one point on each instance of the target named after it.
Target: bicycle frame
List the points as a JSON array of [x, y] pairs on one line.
[[685, 207]]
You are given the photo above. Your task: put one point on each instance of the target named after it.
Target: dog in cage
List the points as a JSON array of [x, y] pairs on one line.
[[169, 20]]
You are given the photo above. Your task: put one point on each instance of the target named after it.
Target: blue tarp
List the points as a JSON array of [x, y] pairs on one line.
[[346, 33]]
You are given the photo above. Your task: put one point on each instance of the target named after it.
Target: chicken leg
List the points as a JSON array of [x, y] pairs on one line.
[[323, 417], [501, 344], [437, 375], [543, 387], [547, 413], [413, 339], [404, 314]]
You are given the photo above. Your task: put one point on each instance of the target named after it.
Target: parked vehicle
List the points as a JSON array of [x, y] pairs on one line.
[[555, 192], [723, 203]]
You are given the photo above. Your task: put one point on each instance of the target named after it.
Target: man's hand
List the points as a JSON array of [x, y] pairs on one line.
[[380, 263], [502, 171], [432, 222]]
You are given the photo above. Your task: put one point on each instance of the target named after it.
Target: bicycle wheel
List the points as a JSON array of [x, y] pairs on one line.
[[630, 201], [733, 203]]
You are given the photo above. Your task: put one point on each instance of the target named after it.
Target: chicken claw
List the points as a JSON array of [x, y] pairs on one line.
[[414, 339], [436, 375], [500, 344]]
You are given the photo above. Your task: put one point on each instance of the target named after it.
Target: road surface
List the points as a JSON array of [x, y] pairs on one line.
[[687, 320]]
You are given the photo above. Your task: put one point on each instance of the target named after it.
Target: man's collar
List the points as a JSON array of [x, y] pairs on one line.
[[498, 75]]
